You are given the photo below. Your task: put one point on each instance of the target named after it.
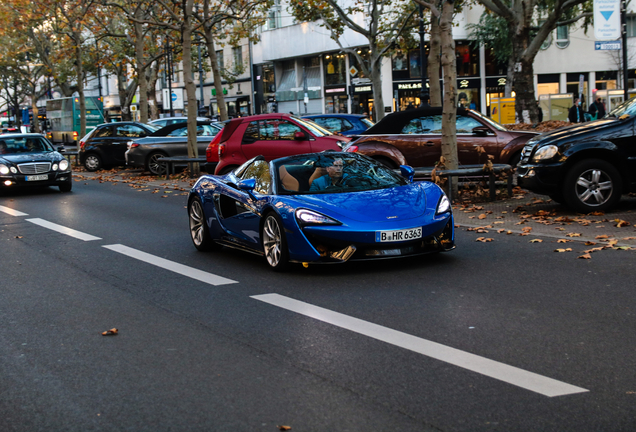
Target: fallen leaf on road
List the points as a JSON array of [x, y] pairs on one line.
[[563, 250], [597, 214], [629, 238], [482, 216], [573, 235], [589, 243], [111, 332], [18, 236], [600, 237], [585, 256], [501, 230], [621, 223], [484, 239], [536, 241], [563, 240], [623, 248], [284, 428]]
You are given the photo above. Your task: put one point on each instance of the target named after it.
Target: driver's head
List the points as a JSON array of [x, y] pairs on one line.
[[335, 169]]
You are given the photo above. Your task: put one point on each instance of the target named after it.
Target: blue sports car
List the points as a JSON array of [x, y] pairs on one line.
[[327, 207]]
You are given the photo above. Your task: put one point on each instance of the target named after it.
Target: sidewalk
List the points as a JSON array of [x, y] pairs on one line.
[[537, 216]]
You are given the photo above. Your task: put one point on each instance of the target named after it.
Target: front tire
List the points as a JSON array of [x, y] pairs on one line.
[[156, 168], [66, 186], [592, 185], [275, 243], [92, 162], [198, 227]]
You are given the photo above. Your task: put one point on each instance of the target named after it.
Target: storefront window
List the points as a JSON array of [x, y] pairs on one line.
[[467, 59], [335, 69], [415, 64], [400, 62], [353, 61], [336, 104], [494, 68]]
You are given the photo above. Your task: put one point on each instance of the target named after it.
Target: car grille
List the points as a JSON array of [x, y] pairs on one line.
[[525, 153], [35, 168]]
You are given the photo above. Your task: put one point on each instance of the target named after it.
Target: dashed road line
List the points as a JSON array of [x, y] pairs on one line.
[[500, 371], [11, 211], [63, 230], [181, 269]]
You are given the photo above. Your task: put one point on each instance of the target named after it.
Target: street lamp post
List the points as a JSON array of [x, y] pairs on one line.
[[424, 95], [200, 75], [169, 73]]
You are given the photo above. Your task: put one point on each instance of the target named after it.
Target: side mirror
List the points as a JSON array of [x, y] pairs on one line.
[[481, 131], [407, 172], [247, 185], [299, 136]]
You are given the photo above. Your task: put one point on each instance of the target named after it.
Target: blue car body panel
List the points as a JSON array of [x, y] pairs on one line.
[[355, 119], [361, 216]]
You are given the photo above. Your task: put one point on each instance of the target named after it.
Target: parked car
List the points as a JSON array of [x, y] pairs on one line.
[[272, 136], [212, 153], [166, 121], [30, 160], [414, 137], [361, 211], [343, 124], [587, 166], [171, 140], [106, 145]]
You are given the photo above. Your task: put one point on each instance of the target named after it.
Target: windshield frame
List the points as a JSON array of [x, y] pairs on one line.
[[314, 127], [490, 121], [628, 107]]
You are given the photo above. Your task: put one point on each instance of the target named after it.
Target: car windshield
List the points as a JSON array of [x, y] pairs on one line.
[[332, 172], [313, 127], [24, 145], [489, 121], [626, 108], [367, 122], [153, 127]]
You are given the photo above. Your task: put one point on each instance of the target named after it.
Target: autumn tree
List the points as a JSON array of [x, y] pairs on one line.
[[529, 23], [228, 22], [381, 22]]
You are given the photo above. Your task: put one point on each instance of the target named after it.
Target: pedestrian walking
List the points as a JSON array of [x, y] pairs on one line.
[[597, 109], [576, 114]]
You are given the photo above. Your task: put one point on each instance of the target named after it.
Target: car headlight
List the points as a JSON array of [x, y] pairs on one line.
[[54, 167], [309, 217], [4, 169], [544, 153], [63, 165], [443, 205]]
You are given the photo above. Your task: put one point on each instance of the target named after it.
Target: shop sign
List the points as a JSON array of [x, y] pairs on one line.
[[243, 103], [363, 89], [463, 84], [335, 90], [410, 86], [356, 81]]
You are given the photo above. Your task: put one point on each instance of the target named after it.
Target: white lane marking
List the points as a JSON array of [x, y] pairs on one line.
[[190, 272], [12, 212], [500, 371], [62, 229]]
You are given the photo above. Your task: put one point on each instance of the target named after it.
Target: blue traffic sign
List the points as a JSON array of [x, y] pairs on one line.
[[607, 45]]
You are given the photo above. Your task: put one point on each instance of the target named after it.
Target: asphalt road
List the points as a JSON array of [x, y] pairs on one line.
[[498, 336]]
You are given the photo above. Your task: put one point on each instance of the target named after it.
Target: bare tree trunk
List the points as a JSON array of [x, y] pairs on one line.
[[125, 96], [525, 105], [151, 78], [376, 79], [34, 108], [216, 73], [77, 38], [186, 33], [141, 67], [435, 88], [449, 112]]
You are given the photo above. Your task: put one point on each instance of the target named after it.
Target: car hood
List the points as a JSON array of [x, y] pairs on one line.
[[528, 134], [19, 158], [580, 131], [380, 205]]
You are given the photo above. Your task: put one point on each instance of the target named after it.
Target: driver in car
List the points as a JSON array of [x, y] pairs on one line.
[[334, 179]]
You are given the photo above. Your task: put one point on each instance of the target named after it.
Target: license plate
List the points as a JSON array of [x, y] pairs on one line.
[[398, 235], [37, 177]]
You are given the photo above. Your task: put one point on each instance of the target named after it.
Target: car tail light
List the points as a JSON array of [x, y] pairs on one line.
[[211, 153], [81, 145], [49, 135], [221, 150], [351, 149], [133, 145], [75, 136]]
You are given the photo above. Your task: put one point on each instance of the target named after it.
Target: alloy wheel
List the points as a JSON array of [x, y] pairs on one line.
[[594, 187], [272, 241], [197, 230]]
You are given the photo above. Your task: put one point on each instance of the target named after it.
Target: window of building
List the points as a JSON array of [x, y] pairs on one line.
[[335, 69], [237, 54], [562, 36], [273, 17], [548, 41], [219, 60], [631, 25], [467, 59]]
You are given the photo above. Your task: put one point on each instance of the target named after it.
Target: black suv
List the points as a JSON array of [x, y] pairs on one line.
[[106, 145], [586, 166]]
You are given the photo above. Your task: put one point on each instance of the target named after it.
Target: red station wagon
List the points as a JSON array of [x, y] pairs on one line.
[[272, 136]]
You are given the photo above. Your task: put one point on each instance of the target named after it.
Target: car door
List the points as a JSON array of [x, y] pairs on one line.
[[468, 142], [420, 140], [100, 143], [273, 138], [119, 142], [176, 142], [239, 212]]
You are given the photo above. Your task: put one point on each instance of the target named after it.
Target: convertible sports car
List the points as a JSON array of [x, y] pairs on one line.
[[327, 207]]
